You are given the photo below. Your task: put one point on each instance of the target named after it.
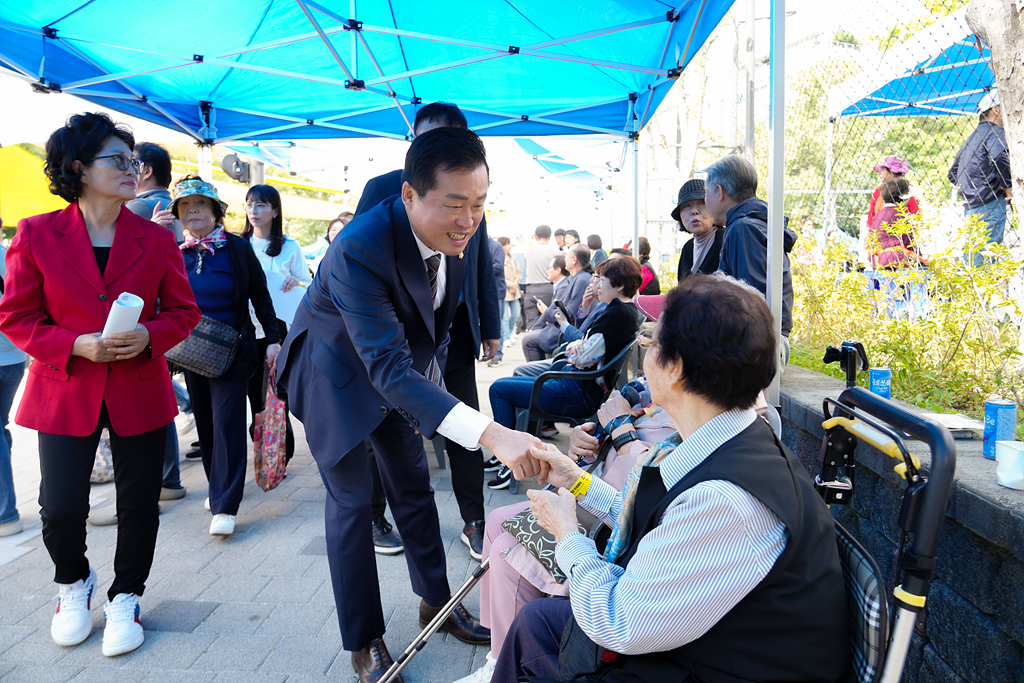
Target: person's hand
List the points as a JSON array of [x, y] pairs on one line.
[[590, 293], [559, 318], [513, 449], [513, 289], [541, 306], [490, 349], [126, 345], [556, 512], [91, 347], [272, 351], [582, 442], [164, 218], [561, 469], [290, 283], [613, 408]]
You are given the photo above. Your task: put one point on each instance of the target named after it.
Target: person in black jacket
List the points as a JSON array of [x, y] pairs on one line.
[[700, 254], [225, 276], [477, 325], [981, 171]]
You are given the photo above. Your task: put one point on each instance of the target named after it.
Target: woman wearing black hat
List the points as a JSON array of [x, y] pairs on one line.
[[699, 255]]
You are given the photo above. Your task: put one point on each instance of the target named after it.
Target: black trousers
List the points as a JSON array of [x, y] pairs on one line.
[[219, 408], [467, 466], [406, 478], [256, 388], [65, 463], [544, 291]]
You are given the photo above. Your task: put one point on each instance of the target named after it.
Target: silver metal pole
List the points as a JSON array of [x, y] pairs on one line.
[[827, 217], [776, 171], [899, 644], [206, 162], [257, 172]]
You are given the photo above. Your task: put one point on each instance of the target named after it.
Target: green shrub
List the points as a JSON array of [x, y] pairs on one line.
[[963, 350]]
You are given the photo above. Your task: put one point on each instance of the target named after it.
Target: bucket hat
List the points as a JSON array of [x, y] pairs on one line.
[[894, 163], [194, 186]]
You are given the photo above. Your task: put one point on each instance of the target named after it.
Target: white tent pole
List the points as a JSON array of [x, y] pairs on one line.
[[776, 171], [206, 162], [636, 184]]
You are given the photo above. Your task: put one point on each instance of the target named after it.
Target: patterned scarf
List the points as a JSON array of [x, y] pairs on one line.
[[215, 239], [619, 540]]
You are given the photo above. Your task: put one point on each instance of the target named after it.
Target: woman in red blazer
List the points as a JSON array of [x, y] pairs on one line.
[[64, 270]]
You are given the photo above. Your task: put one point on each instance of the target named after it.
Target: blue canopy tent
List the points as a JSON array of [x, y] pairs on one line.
[[298, 69]]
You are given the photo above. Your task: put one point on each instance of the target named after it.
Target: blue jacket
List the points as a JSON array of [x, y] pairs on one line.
[[478, 288], [982, 165], [364, 334], [498, 266], [745, 252], [571, 296]]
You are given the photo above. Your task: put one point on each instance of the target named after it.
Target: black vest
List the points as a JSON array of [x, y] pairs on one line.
[[792, 626]]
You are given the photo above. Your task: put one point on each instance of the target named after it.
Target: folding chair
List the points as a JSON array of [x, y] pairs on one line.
[[868, 619], [614, 372]]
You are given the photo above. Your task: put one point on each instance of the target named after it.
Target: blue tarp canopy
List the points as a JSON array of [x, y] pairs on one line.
[[298, 69], [939, 71]]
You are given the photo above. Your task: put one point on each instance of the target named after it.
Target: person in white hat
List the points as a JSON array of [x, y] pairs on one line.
[[981, 170]]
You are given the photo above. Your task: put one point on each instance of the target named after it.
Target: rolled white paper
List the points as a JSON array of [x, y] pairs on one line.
[[124, 314]]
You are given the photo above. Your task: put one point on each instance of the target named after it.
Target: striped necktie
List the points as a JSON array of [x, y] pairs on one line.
[[433, 372]]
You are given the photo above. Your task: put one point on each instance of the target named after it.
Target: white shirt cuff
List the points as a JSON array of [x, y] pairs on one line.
[[464, 426]]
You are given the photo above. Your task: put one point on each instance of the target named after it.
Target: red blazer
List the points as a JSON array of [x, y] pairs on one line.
[[54, 292]]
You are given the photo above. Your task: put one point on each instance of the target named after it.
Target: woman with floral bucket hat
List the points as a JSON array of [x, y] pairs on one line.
[[225, 275]]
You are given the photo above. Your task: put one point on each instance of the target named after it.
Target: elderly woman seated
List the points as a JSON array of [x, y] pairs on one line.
[[722, 563]]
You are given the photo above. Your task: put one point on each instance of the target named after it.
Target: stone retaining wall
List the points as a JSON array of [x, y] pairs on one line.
[[973, 625]]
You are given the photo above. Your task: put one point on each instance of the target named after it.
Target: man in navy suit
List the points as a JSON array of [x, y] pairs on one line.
[[477, 321], [364, 360]]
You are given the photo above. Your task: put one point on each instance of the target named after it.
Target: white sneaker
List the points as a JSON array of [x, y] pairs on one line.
[[123, 631], [206, 503], [187, 423], [222, 525], [483, 674], [72, 622], [11, 528]]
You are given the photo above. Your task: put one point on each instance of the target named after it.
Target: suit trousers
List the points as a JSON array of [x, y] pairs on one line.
[[65, 463], [467, 466], [545, 292], [406, 478], [531, 346], [219, 409]]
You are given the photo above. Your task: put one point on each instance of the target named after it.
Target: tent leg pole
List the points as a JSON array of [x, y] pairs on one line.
[[206, 162], [776, 172], [827, 218]]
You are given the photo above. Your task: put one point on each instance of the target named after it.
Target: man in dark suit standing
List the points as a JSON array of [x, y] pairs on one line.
[[364, 360], [477, 321]]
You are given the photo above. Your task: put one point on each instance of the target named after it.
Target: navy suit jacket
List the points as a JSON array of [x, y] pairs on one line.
[[478, 288], [572, 297], [364, 334]]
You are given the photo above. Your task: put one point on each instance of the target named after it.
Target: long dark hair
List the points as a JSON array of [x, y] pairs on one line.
[[267, 195]]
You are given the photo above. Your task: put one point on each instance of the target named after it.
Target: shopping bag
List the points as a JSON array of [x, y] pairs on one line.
[[103, 464], [268, 441]]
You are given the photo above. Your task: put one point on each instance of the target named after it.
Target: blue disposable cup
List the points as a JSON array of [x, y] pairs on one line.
[[880, 382], [1000, 424]]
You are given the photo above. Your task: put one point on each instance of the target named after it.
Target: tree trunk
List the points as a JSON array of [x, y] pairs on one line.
[[1000, 23]]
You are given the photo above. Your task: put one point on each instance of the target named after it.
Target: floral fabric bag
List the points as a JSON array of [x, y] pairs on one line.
[[269, 441], [103, 465]]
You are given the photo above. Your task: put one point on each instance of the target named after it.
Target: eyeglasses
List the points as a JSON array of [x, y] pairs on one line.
[[122, 162], [645, 340], [256, 207]]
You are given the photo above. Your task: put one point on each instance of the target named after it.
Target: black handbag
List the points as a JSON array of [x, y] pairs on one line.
[[209, 350]]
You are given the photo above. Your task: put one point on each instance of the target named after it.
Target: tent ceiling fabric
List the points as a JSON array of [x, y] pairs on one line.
[[296, 69], [936, 72]]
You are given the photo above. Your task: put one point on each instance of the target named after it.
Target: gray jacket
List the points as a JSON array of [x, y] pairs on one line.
[[145, 203]]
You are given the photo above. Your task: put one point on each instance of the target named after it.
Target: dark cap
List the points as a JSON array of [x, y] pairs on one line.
[[691, 189]]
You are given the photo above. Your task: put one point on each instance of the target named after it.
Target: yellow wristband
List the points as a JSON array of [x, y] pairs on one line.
[[582, 485]]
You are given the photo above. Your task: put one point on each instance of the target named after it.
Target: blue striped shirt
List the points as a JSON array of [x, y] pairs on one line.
[[714, 545]]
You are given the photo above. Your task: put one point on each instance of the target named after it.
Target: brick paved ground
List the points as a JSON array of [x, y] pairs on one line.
[[254, 607]]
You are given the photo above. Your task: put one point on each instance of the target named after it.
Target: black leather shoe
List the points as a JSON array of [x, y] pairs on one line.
[[460, 623], [473, 538], [386, 540], [373, 661]]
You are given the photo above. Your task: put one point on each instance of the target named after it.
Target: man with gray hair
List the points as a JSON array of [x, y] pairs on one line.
[[730, 194]]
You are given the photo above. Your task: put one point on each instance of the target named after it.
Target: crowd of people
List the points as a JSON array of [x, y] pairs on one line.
[[710, 526]]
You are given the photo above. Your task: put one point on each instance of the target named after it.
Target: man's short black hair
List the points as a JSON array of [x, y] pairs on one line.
[[156, 157], [444, 150], [559, 262], [444, 113], [81, 138], [721, 329], [543, 232], [620, 251], [559, 232]]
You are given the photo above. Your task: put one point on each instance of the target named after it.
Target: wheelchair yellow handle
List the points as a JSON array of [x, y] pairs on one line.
[[876, 439]]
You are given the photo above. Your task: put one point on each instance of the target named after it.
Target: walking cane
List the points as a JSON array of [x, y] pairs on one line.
[[417, 644]]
